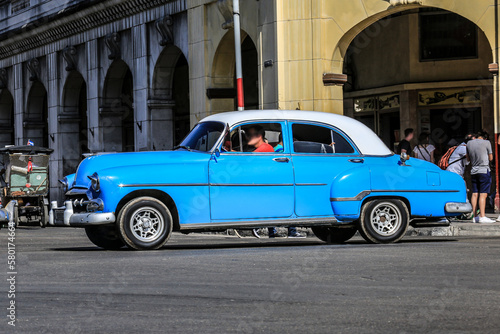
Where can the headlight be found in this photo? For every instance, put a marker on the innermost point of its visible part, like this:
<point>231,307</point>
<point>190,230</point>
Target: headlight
<point>94,178</point>
<point>65,184</point>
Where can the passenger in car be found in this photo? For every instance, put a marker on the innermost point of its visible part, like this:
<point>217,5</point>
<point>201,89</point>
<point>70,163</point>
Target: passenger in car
<point>256,138</point>
<point>279,148</point>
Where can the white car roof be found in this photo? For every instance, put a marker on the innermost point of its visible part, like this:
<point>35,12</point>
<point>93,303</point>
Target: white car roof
<point>364,138</point>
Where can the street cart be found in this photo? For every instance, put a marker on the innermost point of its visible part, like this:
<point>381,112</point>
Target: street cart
<point>24,185</point>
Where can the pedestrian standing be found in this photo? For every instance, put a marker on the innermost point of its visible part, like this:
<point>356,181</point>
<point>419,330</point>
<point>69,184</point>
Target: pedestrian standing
<point>424,150</point>
<point>405,145</point>
<point>479,154</point>
<point>458,159</point>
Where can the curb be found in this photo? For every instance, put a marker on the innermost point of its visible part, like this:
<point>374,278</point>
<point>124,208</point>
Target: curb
<point>457,229</point>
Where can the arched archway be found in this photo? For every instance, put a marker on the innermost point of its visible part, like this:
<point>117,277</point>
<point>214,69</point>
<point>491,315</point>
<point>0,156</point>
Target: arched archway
<point>403,73</point>
<point>384,58</point>
<point>223,74</point>
<point>73,122</point>
<point>117,114</point>
<point>170,109</point>
<point>36,116</point>
<point>6,118</point>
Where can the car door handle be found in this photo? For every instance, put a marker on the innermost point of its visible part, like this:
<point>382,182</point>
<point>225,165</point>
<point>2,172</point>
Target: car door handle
<point>281,159</point>
<point>357,161</point>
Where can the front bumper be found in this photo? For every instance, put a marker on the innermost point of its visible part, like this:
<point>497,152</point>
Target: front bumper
<point>65,216</point>
<point>454,207</point>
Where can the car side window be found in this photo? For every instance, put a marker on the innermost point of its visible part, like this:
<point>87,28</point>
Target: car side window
<point>255,137</point>
<point>309,138</point>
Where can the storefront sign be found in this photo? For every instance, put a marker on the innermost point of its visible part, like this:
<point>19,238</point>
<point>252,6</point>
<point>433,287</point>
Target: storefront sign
<point>374,103</point>
<point>388,102</point>
<point>365,104</point>
<point>449,97</point>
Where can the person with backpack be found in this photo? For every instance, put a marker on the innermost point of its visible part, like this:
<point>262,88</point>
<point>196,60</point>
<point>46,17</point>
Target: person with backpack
<point>424,150</point>
<point>455,159</point>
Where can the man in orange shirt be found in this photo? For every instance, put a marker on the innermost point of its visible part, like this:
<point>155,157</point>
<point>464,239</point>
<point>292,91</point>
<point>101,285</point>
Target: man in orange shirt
<point>255,136</point>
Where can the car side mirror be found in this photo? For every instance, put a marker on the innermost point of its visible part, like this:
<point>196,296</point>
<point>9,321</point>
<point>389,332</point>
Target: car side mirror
<point>217,152</point>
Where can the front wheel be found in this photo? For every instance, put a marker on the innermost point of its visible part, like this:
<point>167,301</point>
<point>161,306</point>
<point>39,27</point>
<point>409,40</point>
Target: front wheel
<point>145,223</point>
<point>334,235</point>
<point>384,221</point>
<point>104,236</point>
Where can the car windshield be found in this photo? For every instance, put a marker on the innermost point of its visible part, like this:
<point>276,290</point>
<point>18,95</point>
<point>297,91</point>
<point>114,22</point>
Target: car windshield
<point>203,137</point>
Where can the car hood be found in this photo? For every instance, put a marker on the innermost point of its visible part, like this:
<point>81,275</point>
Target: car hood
<point>102,162</point>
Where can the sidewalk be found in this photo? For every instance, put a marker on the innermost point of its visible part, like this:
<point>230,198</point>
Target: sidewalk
<point>459,228</point>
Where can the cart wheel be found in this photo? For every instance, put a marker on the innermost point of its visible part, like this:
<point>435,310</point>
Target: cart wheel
<point>45,216</point>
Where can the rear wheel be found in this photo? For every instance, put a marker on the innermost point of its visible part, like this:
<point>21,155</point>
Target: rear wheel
<point>334,235</point>
<point>145,223</point>
<point>104,236</point>
<point>384,221</point>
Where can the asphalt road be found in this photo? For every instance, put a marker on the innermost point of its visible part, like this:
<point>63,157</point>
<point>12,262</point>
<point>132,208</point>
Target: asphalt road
<point>218,284</point>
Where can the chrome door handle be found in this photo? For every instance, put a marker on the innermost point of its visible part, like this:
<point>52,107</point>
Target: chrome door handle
<point>357,161</point>
<point>281,159</point>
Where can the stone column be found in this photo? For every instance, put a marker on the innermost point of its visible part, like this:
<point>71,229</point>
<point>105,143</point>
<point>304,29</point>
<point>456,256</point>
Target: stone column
<point>93,77</point>
<point>53,98</point>
<point>18,96</point>
<point>198,73</point>
<point>162,124</point>
<point>141,87</point>
<point>111,124</point>
<point>408,112</point>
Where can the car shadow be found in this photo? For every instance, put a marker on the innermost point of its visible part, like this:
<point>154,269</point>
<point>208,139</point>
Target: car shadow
<point>259,243</point>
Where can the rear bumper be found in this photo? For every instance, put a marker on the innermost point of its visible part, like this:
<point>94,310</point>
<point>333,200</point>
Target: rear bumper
<point>65,216</point>
<point>455,207</point>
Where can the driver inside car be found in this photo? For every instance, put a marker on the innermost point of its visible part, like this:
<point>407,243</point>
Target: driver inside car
<point>256,138</point>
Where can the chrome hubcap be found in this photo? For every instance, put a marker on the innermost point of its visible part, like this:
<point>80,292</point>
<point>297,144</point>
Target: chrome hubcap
<point>147,224</point>
<point>386,219</point>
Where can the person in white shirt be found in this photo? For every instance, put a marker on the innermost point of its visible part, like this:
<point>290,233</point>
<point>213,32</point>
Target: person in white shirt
<point>424,150</point>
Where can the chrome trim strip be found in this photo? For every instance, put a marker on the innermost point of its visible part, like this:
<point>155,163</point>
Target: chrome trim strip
<point>310,184</point>
<point>163,185</point>
<point>220,185</point>
<point>326,221</point>
<point>358,197</point>
<point>416,191</point>
<point>365,193</point>
<point>251,185</point>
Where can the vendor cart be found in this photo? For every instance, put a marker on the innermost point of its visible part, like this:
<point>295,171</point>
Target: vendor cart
<point>25,185</point>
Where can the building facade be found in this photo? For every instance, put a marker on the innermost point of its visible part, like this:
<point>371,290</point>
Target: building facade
<point>133,75</point>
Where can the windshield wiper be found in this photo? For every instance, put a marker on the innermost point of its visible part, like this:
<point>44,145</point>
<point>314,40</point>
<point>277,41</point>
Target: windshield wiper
<point>184,147</point>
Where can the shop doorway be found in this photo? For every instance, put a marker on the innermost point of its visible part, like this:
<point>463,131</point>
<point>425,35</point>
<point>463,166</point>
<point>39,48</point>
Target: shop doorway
<point>449,126</point>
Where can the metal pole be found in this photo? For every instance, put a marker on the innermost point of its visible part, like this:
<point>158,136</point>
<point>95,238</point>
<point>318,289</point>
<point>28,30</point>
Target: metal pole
<point>237,49</point>
<point>496,107</point>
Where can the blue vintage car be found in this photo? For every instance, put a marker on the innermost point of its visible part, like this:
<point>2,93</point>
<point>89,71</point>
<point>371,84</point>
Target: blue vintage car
<point>324,171</point>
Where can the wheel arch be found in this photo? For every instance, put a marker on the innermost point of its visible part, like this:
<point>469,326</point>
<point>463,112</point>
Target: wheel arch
<point>159,195</point>
<point>374,198</point>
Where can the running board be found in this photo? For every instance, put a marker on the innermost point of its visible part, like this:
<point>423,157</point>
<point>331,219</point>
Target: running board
<point>216,226</point>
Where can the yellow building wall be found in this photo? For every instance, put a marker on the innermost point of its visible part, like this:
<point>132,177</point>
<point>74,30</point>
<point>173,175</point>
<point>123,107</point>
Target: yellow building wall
<point>313,36</point>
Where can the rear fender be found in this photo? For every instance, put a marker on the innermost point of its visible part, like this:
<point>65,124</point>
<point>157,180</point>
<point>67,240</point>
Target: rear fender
<point>348,190</point>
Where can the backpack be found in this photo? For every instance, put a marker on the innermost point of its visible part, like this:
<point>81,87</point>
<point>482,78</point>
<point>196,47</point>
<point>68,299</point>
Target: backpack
<point>444,162</point>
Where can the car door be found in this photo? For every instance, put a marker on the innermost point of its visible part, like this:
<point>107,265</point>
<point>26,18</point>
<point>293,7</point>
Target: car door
<point>320,153</point>
<point>245,185</point>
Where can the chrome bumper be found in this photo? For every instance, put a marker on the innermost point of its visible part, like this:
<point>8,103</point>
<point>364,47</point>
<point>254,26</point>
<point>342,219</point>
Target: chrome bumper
<point>458,207</point>
<point>65,216</point>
